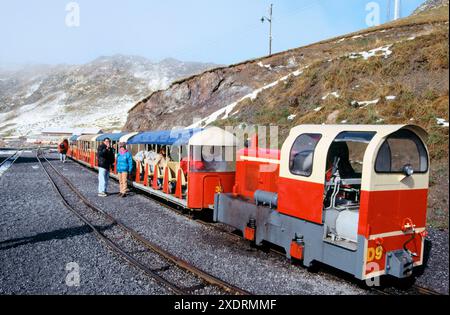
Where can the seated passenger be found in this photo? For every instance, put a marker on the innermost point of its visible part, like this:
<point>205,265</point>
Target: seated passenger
<point>161,161</point>
<point>150,157</point>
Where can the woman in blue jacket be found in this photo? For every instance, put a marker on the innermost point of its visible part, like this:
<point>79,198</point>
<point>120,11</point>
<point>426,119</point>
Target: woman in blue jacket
<point>124,167</point>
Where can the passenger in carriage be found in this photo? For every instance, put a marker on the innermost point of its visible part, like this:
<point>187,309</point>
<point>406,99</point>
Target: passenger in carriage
<point>161,161</point>
<point>150,157</point>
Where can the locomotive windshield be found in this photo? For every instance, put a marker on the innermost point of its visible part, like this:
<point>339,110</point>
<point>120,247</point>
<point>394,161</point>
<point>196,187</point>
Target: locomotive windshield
<point>400,149</point>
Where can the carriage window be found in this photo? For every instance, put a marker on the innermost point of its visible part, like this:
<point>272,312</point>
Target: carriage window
<point>302,154</point>
<point>402,148</point>
<point>214,159</point>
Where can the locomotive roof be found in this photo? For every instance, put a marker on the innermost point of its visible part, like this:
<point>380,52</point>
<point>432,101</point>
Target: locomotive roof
<point>88,138</point>
<point>335,130</point>
<point>213,136</point>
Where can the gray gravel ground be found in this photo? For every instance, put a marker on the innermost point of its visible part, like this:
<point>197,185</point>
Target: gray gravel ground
<point>208,248</point>
<point>436,276</point>
<point>39,237</point>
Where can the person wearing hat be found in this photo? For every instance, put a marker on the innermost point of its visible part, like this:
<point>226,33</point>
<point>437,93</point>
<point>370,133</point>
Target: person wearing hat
<point>124,167</point>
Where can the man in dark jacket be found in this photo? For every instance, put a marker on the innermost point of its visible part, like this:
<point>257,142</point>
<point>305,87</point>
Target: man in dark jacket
<point>105,155</point>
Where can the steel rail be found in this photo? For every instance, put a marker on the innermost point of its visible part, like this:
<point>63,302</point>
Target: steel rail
<point>208,278</point>
<point>114,247</point>
<point>10,158</point>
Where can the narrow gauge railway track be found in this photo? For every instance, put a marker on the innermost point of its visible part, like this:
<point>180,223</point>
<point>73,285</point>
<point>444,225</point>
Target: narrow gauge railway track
<point>413,290</point>
<point>9,161</point>
<point>11,158</point>
<point>165,268</point>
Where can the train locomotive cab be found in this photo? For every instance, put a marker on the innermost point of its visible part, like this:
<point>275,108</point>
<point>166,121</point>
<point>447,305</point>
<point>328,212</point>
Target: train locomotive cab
<point>210,166</point>
<point>194,165</point>
<point>352,197</point>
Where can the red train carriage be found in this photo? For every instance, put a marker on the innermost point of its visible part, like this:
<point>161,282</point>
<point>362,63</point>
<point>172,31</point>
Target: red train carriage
<point>73,146</point>
<point>353,197</point>
<point>197,168</point>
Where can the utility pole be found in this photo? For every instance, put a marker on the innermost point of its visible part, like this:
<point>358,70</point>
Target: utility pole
<point>269,19</point>
<point>397,10</point>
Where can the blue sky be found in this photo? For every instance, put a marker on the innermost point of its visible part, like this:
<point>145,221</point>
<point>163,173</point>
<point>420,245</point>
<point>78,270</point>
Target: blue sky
<point>219,31</point>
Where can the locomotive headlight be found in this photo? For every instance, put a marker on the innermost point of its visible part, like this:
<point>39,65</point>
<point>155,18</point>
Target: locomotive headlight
<point>408,170</point>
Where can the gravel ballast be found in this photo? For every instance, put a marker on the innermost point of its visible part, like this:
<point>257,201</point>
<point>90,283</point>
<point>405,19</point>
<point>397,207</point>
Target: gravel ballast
<point>40,238</point>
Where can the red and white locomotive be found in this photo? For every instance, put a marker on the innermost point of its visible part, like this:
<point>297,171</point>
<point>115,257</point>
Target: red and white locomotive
<point>352,197</point>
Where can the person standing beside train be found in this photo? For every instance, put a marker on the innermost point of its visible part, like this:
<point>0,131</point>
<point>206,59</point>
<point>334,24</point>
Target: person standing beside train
<point>106,161</point>
<point>63,148</point>
<point>124,167</point>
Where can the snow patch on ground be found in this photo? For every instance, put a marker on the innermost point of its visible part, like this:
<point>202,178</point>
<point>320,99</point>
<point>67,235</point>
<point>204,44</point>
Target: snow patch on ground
<point>33,89</point>
<point>335,94</point>
<point>227,110</point>
<point>442,122</point>
<point>363,104</point>
<point>264,66</point>
<point>384,51</point>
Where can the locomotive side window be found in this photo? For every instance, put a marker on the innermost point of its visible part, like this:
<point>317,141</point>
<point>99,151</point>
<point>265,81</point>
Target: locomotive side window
<point>399,150</point>
<point>302,154</point>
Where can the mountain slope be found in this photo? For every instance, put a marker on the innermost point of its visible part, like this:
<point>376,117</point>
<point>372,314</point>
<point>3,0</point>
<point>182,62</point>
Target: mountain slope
<point>430,5</point>
<point>98,93</point>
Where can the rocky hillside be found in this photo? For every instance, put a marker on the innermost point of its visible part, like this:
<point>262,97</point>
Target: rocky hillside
<point>394,73</point>
<point>430,5</point>
<point>95,94</point>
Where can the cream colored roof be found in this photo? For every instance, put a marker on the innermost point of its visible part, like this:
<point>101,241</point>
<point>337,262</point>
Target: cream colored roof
<point>128,137</point>
<point>88,137</point>
<point>334,130</point>
<point>213,136</point>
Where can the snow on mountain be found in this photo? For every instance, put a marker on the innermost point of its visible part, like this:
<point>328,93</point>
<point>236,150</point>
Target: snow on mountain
<point>95,94</point>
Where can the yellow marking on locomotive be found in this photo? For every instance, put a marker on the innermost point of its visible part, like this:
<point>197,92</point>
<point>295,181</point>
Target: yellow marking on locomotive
<point>374,253</point>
